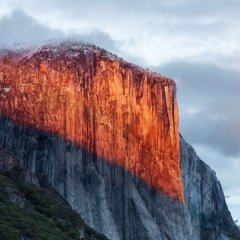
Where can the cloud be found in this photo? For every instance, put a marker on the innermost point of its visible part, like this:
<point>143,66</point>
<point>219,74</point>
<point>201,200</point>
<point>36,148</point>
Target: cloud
<point>222,165</point>
<point>19,28</point>
<point>209,99</point>
<point>209,112</point>
<point>157,32</point>
<point>227,170</point>
<point>207,94</point>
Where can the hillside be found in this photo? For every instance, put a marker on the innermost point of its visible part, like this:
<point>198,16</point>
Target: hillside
<point>30,212</point>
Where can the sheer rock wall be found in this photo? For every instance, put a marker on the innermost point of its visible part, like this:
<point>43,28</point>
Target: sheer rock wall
<point>105,134</point>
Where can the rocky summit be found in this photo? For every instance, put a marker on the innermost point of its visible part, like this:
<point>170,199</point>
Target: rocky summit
<point>104,133</point>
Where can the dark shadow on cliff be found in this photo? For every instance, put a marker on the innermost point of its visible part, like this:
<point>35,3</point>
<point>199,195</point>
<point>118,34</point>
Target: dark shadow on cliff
<point>205,198</point>
<point>94,185</point>
<point>29,211</point>
<point>112,200</point>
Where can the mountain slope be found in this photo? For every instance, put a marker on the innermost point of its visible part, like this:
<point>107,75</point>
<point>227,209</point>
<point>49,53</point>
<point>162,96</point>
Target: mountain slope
<point>30,212</point>
<point>105,134</point>
<point>209,214</point>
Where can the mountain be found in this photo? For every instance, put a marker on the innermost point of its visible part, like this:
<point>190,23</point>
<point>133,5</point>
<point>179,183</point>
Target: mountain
<point>104,133</point>
<point>29,211</point>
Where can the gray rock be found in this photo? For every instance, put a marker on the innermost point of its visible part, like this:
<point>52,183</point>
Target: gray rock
<point>209,215</point>
<point>118,204</point>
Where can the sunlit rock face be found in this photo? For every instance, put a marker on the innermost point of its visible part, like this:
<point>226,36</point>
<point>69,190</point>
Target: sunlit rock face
<point>105,134</point>
<point>116,111</point>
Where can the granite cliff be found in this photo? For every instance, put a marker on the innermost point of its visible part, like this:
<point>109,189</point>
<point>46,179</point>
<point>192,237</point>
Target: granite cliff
<point>31,209</point>
<point>105,135</point>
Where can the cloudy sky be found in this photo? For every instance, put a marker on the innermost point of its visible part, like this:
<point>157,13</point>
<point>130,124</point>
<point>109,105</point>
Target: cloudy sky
<point>196,43</point>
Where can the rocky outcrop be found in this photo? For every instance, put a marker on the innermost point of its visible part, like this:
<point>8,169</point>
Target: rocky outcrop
<point>30,212</point>
<point>109,198</point>
<point>116,111</point>
<point>105,134</point>
<point>9,164</point>
<point>208,211</point>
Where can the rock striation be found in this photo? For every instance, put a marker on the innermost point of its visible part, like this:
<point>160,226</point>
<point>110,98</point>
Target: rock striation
<point>114,110</point>
<point>29,211</point>
<point>207,209</point>
<point>105,134</point>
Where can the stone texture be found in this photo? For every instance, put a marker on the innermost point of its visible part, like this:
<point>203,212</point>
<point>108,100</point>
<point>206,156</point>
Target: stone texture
<point>209,215</point>
<point>28,211</point>
<point>109,198</point>
<point>9,163</point>
<point>105,135</point>
<point>116,111</point>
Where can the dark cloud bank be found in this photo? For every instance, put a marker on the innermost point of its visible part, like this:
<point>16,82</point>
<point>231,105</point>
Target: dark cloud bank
<point>215,92</point>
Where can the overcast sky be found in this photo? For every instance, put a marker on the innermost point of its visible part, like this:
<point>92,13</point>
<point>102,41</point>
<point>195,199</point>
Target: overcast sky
<point>196,43</point>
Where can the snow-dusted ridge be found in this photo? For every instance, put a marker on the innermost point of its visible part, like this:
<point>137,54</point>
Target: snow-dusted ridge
<point>60,50</point>
<point>70,49</point>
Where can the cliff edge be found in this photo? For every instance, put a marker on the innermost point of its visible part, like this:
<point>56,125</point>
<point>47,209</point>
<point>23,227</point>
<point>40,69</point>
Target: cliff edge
<point>105,134</point>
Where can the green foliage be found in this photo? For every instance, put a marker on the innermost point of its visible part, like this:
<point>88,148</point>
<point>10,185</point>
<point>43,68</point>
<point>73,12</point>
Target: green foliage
<point>35,213</point>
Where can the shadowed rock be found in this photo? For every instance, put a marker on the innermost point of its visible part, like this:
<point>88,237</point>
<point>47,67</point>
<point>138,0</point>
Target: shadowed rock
<point>105,135</point>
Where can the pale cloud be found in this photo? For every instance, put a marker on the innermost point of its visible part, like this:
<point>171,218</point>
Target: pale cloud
<point>227,170</point>
<point>234,198</point>
<point>5,9</point>
<point>193,110</point>
<point>157,33</point>
<point>215,91</point>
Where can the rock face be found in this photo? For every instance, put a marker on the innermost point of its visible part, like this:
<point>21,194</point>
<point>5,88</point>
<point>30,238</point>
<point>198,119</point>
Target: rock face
<point>208,212</point>
<point>29,211</point>
<point>108,107</point>
<point>105,134</point>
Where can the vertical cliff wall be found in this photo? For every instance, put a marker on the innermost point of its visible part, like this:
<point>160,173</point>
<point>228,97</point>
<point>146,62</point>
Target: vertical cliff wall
<point>105,134</point>
<point>208,212</point>
<point>114,110</point>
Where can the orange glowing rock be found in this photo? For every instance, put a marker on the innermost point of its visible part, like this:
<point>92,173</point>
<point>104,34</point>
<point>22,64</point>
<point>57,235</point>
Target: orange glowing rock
<point>117,111</point>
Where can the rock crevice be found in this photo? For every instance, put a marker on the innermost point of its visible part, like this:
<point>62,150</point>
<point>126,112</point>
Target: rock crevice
<point>105,135</point>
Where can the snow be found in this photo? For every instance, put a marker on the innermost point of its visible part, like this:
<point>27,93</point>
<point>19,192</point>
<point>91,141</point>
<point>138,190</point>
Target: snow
<point>6,89</point>
<point>70,49</point>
